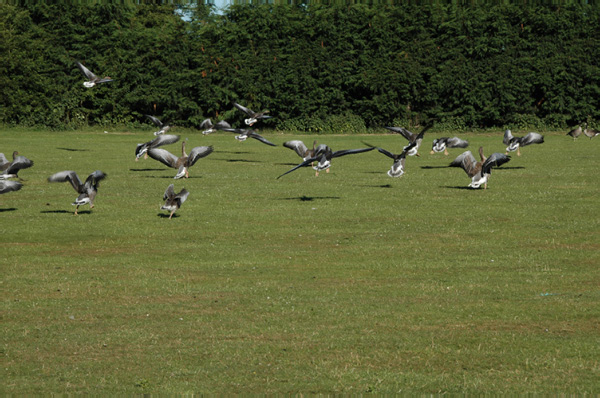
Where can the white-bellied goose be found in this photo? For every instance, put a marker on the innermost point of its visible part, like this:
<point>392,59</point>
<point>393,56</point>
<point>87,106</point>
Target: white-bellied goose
<point>253,116</point>
<point>172,200</point>
<point>590,132</point>
<point>479,172</point>
<point>9,186</point>
<point>92,79</point>
<point>301,149</point>
<point>182,163</point>
<point>87,190</point>
<point>142,149</point>
<point>208,127</point>
<point>515,143</point>
<point>575,133</point>
<point>442,144</point>
<point>245,133</point>
<point>163,128</point>
<point>324,154</point>
<point>411,137</point>
<point>397,169</point>
<point>12,168</point>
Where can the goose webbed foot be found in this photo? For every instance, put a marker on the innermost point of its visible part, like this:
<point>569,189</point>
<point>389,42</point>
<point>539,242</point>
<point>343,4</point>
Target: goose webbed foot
<point>446,152</point>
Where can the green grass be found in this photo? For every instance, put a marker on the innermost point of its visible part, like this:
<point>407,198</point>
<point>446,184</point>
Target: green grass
<point>349,282</point>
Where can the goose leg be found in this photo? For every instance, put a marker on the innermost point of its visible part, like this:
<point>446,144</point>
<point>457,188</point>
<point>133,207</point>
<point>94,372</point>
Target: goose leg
<point>446,152</point>
<point>518,151</point>
<point>76,208</point>
<point>146,155</point>
<point>485,186</point>
<point>327,171</point>
<point>173,212</point>
<point>317,173</point>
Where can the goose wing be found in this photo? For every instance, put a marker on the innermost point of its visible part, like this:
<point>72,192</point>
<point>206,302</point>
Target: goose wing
<point>467,161</point>
<point>404,132</point>
<point>206,124</point>
<point>307,162</point>
<point>456,142</point>
<point>163,156</point>
<point>169,193</point>
<point>9,186</point>
<point>495,160</point>
<point>242,108</point>
<point>93,180</point>
<point>198,153</point>
<point>532,138</point>
<point>163,140</point>
<point>298,146</point>
<point>86,72</point>
<point>3,161</point>
<point>182,196</point>
<point>507,137</point>
<point>19,163</point>
<point>236,131</point>
<point>155,120</point>
<point>345,152</point>
<point>260,138</point>
<point>70,176</point>
<point>387,153</point>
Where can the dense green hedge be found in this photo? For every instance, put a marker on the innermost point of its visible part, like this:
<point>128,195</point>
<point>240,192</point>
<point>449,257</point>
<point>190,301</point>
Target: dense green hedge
<point>316,68</point>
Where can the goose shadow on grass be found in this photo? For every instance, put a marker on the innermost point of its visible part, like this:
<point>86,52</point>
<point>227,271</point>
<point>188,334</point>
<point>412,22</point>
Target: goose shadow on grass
<point>238,160</point>
<point>8,209</point>
<point>171,177</point>
<point>73,149</point>
<point>166,215</point>
<point>235,152</point>
<point>459,187</point>
<point>378,186</point>
<point>305,198</point>
<point>146,169</point>
<point>65,212</point>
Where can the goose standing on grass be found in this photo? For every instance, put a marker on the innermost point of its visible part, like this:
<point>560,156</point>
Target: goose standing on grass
<point>87,190</point>
<point>172,200</point>
<point>515,143</point>
<point>11,169</point>
<point>208,127</point>
<point>9,186</point>
<point>411,137</point>
<point>324,154</point>
<point>142,149</point>
<point>397,169</point>
<point>163,128</point>
<point>442,144</point>
<point>253,116</point>
<point>182,163</point>
<point>575,133</point>
<point>245,133</point>
<point>92,79</point>
<point>590,132</point>
<point>301,149</point>
<point>479,172</point>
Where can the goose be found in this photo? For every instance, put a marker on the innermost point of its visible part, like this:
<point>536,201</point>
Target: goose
<point>411,137</point>
<point>397,169</point>
<point>515,143</point>
<point>92,79</point>
<point>162,126</point>
<point>87,190</point>
<point>182,163</point>
<point>208,127</point>
<point>301,149</point>
<point>9,186</point>
<point>324,154</point>
<point>590,133</point>
<point>442,144</point>
<point>11,169</point>
<point>479,171</point>
<point>142,149</point>
<point>245,133</point>
<point>253,116</point>
<point>172,200</point>
<point>575,133</point>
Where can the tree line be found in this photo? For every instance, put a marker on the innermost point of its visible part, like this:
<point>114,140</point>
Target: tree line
<point>317,68</point>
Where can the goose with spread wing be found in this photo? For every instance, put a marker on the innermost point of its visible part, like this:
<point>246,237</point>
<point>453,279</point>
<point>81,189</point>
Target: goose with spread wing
<point>243,135</point>
<point>300,148</point>
<point>479,172</point>
<point>182,163</point>
<point>142,149</point>
<point>92,78</point>
<point>9,186</point>
<point>172,200</point>
<point>411,137</point>
<point>515,143</point>
<point>253,117</point>
<point>442,144</point>
<point>397,169</point>
<point>163,127</point>
<point>11,169</point>
<point>323,155</point>
<point>208,127</point>
<point>87,190</point>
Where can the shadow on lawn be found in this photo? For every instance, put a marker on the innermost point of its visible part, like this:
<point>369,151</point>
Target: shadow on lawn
<point>234,152</point>
<point>304,198</point>
<point>73,149</point>
<point>460,187</point>
<point>65,212</point>
<point>146,169</point>
<point>239,160</point>
<point>8,209</point>
<point>166,215</point>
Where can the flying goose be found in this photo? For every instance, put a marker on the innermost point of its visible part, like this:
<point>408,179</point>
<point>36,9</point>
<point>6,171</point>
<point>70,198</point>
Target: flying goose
<point>442,144</point>
<point>92,79</point>
<point>245,133</point>
<point>411,137</point>
<point>590,133</point>
<point>163,128</point>
<point>397,169</point>
<point>11,169</point>
<point>208,127</point>
<point>9,186</point>
<point>172,200</point>
<point>253,116</point>
<point>515,143</point>
<point>301,149</point>
<point>87,190</point>
<point>575,133</point>
<point>142,149</point>
<point>182,163</point>
<point>324,154</point>
<point>479,171</point>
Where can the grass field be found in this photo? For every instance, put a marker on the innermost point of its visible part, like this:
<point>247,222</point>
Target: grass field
<point>351,282</point>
